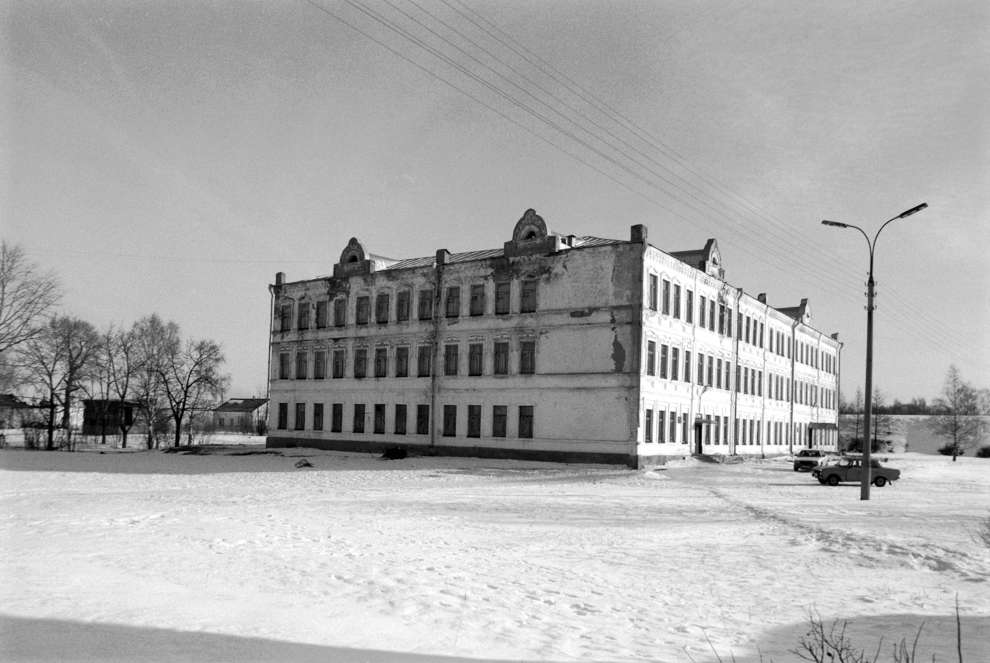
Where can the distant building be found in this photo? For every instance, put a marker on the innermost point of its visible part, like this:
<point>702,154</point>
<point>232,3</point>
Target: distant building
<point>554,347</point>
<point>105,416</point>
<point>14,412</point>
<point>241,415</point>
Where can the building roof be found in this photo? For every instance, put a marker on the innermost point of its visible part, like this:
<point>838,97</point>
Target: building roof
<point>9,400</point>
<point>242,405</point>
<point>485,254</point>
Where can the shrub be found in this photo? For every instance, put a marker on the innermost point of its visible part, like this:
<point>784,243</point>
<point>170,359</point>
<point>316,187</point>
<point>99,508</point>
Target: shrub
<point>856,445</point>
<point>951,450</point>
<point>984,452</point>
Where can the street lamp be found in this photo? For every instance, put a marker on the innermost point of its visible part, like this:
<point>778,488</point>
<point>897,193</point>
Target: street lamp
<point>865,477</point>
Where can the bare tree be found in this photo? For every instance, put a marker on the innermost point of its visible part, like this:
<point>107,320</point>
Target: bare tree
<point>123,363</point>
<point>154,340</point>
<point>192,379</point>
<point>882,422</point>
<point>42,360</point>
<point>959,422</point>
<point>27,295</point>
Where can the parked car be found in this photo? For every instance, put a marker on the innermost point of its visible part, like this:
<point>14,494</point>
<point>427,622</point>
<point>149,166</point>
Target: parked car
<point>850,469</point>
<point>808,459</point>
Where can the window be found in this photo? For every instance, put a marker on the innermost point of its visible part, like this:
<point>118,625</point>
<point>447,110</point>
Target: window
<point>379,418</point>
<point>673,429</point>
<point>423,361</point>
<point>503,292</point>
<point>525,421</point>
<point>302,315</point>
<point>339,359</point>
<point>675,363</point>
<point>320,365</point>
<point>701,310</point>
<point>689,307</point>
<point>718,374</point>
<point>360,362</point>
<point>402,305</point>
<point>718,429</point>
<point>527,296</point>
<point>477,304</point>
<point>661,426</point>
<point>453,302</point>
<point>400,418</point>
<point>711,368</point>
<point>746,333</point>
<point>721,319</point>
<point>381,362</point>
<point>760,340</point>
<point>422,419</point>
<point>358,426</point>
<point>677,301</point>
<point>363,310</point>
<point>665,297</point>
<point>449,420</point>
<point>317,416</point>
<point>322,307</point>
<point>336,417</point>
<point>475,358</point>
<point>653,292</point>
<point>527,357</point>
<point>283,366</point>
<point>711,315</point>
<point>301,360</point>
<point>725,379</point>
<point>701,368</point>
<point>728,324</point>
<point>501,358</point>
<point>687,365</point>
<point>474,421</point>
<point>402,362</point>
<point>300,422</point>
<point>651,357</point>
<point>425,304</point>
<point>339,312</point>
<point>381,308</point>
<point>500,413</point>
<point>664,357</point>
<point>283,416</point>
<point>450,359</point>
<point>285,317</point>
<point>648,427</point>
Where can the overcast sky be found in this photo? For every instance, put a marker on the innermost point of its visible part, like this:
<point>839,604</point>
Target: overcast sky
<point>170,157</point>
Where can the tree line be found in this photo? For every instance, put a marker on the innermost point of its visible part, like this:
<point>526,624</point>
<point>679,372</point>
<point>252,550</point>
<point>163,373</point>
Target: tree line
<point>59,358</point>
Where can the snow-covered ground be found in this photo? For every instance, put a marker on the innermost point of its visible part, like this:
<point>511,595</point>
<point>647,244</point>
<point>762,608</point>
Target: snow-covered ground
<point>142,555</point>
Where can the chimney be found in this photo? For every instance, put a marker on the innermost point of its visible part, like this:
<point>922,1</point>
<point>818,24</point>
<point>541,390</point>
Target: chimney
<point>637,234</point>
<point>279,278</point>
<point>762,298</point>
<point>442,256</point>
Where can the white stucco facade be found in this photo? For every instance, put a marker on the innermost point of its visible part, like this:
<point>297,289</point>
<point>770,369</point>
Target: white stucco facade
<point>553,346</point>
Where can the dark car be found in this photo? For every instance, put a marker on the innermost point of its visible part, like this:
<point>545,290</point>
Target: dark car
<point>808,459</point>
<point>851,469</point>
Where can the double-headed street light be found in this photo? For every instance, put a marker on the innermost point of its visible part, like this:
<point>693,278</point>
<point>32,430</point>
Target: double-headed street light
<point>866,475</point>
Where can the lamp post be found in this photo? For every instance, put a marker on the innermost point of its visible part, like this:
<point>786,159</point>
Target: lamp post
<point>866,474</point>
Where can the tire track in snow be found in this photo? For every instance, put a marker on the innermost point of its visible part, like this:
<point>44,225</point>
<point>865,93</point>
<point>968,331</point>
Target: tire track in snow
<point>930,556</point>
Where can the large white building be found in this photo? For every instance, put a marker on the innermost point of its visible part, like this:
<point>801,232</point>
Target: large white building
<point>551,347</point>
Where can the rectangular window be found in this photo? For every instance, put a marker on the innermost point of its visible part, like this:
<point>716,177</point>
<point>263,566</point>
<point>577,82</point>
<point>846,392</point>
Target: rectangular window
<point>302,315</point>
<point>283,416</point>
<point>701,310</point>
<point>759,383</point>
<point>283,366</point>
<point>453,305</point>
<point>661,426</point>
<point>664,358</point>
<point>381,308</point>
<point>721,319</point>
<point>525,421</point>
<point>718,429</point>
<point>711,369</point>
<point>477,304</point>
<point>379,418</point>
<point>339,359</point>
<point>476,358</point>
<point>360,362</point>
<point>358,423</point>
<point>503,292</point>
<point>651,357</point>
<point>760,340</point>
<point>718,374</point>
<point>500,413</point>
<point>336,417</point>
<point>728,325</point>
<point>746,336</point>
<point>425,304</point>
<point>689,307</point>
<point>687,365</point>
<point>400,418</point>
<point>673,429</point>
<point>474,421</point>
<point>450,359</point>
<point>527,296</point>
<point>711,315</point>
<point>675,363</point>
<point>301,360</point>
<point>402,305</point>
<point>402,362</point>
<point>363,310</point>
<point>725,379</point>
<point>701,368</point>
<point>527,357</point>
<point>321,314</point>
<point>317,416</point>
<point>501,358</point>
<point>648,427</point>
<point>381,362</point>
<point>339,312</point>
<point>677,301</point>
<point>653,292</point>
<point>320,365</point>
<point>285,317</point>
<point>449,420</point>
<point>423,361</point>
<point>665,297</point>
<point>300,422</point>
<point>422,419</point>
